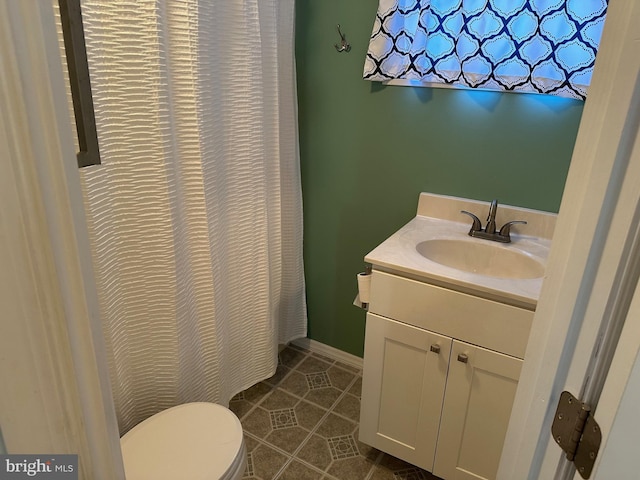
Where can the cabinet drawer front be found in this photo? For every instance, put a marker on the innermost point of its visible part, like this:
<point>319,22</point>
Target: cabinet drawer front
<point>402,389</point>
<point>476,320</point>
<point>481,387</point>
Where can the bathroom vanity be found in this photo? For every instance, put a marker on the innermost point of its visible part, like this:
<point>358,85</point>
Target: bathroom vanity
<point>446,333</point>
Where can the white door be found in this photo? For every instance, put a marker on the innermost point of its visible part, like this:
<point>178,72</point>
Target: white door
<point>591,277</point>
<point>617,458</point>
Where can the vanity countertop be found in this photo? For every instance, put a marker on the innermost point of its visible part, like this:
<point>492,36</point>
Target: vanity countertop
<point>439,218</point>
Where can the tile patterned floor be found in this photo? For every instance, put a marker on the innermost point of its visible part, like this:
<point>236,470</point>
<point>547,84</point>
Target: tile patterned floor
<point>302,424</point>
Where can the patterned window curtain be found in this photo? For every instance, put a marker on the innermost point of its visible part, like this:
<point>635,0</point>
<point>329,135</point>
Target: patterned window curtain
<point>541,46</point>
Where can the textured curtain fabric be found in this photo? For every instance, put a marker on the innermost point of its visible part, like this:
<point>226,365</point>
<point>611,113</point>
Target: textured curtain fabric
<point>542,46</point>
<point>195,214</point>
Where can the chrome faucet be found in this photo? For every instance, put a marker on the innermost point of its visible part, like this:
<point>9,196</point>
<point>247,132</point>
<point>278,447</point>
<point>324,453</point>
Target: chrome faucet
<point>489,232</point>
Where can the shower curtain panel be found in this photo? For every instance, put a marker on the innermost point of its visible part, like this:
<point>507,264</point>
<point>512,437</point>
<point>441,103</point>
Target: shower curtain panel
<point>195,214</point>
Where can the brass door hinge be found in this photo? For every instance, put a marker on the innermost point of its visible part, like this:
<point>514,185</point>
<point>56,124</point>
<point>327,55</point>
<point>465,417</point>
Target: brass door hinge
<point>575,430</point>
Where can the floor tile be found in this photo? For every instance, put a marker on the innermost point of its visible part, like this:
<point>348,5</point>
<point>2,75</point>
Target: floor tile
<point>299,348</point>
<point>393,463</point>
<point>240,407</point>
<point>267,462</point>
<point>283,418</point>
<point>278,399</point>
<point>249,472</point>
<point>258,423</point>
<point>325,397</point>
<point>342,447</point>
<point>335,426</point>
<point>290,357</point>
<point>366,450</point>
<point>316,452</point>
<point>298,471</point>
<point>356,389</point>
<point>411,473</point>
<point>340,378</point>
<point>257,392</point>
<point>251,443</point>
<point>281,372</point>
<point>308,415</point>
<point>296,383</point>
<point>287,439</point>
<point>391,468</point>
<point>349,406</point>
<point>313,365</point>
<point>356,468</point>
<point>317,380</point>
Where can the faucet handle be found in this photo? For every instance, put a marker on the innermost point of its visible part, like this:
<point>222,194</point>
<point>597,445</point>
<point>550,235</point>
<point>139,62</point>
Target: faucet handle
<point>505,231</point>
<point>477,225</point>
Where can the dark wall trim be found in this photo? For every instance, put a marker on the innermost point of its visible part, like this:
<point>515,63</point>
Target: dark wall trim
<point>74,45</point>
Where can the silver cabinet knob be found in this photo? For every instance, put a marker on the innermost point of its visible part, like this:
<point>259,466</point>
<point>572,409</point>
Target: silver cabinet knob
<point>435,348</point>
<point>463,357</point>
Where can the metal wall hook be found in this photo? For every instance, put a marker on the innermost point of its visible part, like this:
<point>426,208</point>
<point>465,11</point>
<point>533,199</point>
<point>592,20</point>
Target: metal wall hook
<point>344,46</point>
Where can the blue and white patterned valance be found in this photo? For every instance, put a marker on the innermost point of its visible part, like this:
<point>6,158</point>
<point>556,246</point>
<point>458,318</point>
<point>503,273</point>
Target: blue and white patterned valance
<point>542,46</point>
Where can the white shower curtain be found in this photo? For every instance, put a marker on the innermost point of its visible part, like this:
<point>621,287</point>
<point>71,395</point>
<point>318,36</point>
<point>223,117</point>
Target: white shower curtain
<point>195,214</point>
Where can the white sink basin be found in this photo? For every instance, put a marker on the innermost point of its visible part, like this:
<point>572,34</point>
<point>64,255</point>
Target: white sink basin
<point>482,258</point>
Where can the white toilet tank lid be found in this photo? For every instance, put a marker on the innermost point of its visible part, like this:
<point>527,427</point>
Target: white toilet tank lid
<point>195,441</point>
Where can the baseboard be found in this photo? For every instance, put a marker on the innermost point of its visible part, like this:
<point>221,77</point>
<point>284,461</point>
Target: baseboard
<point>329,351</point>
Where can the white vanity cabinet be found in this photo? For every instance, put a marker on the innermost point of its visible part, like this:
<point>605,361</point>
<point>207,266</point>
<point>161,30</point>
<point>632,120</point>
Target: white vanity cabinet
<point>403,388</point>
<point>441,369</point>
<point>475,412</point>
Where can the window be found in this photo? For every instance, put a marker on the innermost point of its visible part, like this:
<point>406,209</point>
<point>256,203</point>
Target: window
<point>542,46</point>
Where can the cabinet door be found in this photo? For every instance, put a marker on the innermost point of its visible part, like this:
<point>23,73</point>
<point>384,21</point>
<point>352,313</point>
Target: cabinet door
<point>480,390</point>
<point>402,389</point>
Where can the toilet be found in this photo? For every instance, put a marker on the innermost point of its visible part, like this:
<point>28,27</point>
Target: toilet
<point>193,441</point>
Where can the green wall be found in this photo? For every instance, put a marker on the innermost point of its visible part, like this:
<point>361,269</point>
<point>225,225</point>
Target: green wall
<point>368,150</point>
